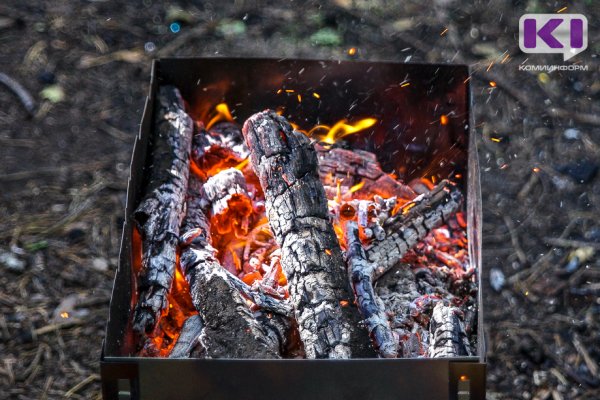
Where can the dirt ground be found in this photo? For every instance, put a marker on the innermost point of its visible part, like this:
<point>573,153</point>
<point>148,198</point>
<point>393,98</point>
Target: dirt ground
<point>65,165</point>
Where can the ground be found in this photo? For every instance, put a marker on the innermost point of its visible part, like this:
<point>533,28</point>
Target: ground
<point>64,167</point>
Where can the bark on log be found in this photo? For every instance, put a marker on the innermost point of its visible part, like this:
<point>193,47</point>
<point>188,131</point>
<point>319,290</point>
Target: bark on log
<point>159,214</point>
<point>372,308</point>
<point>447,333</point>
<point>286,163</point>
<point>230,329</point>
<point>406,229</point>
<point>355,167</point>
<point>189,337</point>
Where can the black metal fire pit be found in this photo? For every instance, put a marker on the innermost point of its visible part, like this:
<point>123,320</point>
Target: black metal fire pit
<point>425,128</point>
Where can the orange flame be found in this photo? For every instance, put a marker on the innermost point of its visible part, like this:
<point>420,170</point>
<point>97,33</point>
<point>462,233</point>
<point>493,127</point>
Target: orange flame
<point>340,129</point>
<point>222,114</point>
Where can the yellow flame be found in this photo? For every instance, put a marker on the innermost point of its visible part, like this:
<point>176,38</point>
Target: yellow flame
<point>357,186</point>
<point>223,114</point>
<point>341,129</point>
<point>241,165</point>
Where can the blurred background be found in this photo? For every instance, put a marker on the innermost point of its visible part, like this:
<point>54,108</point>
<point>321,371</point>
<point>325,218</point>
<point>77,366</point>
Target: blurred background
<point>74,76</point>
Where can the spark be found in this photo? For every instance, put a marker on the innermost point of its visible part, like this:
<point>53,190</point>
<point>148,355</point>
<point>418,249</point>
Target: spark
<point>289,90</point>
<point>444,119</point>
<point>405,84</point>
<point>490,66</point>
<point>495,139</point>
<point>299,98</point>
<point>64,314</point>
<point>352,51</point>
<point>467,80</point>
<point>316,95</point>
<point>493,84</point>
<point>444,32</point>
<point>344,303</point>
<point>562,9</point>
<point>279,91</point>
<point>505,59</point>
<point>536,169</point>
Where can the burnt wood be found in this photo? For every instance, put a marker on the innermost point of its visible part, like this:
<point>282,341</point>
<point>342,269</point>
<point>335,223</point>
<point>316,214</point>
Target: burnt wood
<point>159,213</point>
<point>447,333</point>
<point>355,167</point>
<point>189,337</point>
<point>416,219</point>
<point>372,308</point>
<point>230,329</point>
<point>286,164</point>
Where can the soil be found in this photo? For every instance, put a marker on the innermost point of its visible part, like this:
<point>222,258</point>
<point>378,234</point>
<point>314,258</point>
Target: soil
<point>64,169</point>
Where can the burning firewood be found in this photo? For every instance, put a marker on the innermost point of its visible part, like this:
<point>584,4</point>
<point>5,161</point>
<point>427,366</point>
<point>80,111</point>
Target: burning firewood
<point>423,214</point>
<point>371,307</point>
<point>226,195</point>
<point>159,214</point>
<point>359,172</point>
<point>411,224</point>
<point>447,333</point>
<point>286,163</point>
<point>230,329</point>
<point>222,146</point>
<point>189,338</point>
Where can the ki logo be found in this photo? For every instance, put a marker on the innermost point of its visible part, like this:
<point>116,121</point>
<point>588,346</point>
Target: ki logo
<point>553,33</point>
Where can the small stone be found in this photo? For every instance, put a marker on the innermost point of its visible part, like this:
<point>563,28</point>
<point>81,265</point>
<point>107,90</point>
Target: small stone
<point>497,279</point>
<point>572,134</point>
<point>76,235</point>
<point>100,264</point>
<point>46,77</point>
<point>11,262</point>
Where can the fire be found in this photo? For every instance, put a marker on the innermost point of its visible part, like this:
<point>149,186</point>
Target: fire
<point>340,129</point>
<point>222,114</point>
<point>245,245</point>
<point>357,187</point>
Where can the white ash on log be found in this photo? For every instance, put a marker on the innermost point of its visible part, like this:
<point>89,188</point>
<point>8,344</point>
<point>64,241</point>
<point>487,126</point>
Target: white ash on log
<point>189,338</point>
<point>159,214</point>
<point>230,329</point>
<point>408,227</point>
<point>286,164</point>
<point>223,145</point>
<point>227,198</point>
<point>355,167</point>
<point>425,213</point>
<point>447,333</point>
<point>369,304</point>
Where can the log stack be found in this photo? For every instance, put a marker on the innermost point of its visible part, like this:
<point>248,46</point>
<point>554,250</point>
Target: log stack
<point>336,225</point>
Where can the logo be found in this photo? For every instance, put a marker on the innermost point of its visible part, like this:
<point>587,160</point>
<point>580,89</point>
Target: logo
<point>553,33</point>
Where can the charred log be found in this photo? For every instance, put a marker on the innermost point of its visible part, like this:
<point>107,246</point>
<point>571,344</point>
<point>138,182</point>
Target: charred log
<point>412,224</point>
<point>230,329</point>
<point>358,167</point>
<point>286,163</point>
<point>372,308</point>
<point>189,337</point>
<point>447,333</point>
<point>159,214</point>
